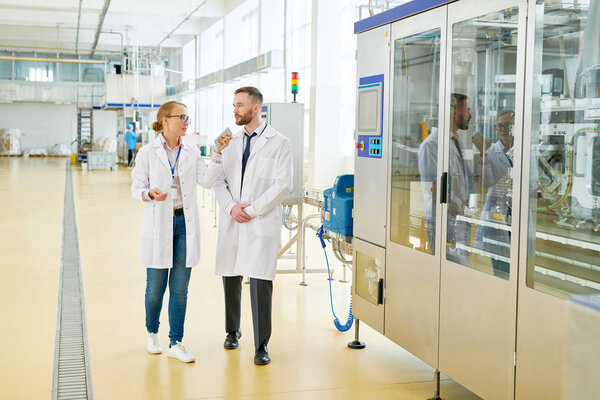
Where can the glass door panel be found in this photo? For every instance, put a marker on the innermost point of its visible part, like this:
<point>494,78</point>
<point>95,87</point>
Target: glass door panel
<point>415,140</point>
<point>481,120</point>
<point>564,188</point>
<point>412,277</point>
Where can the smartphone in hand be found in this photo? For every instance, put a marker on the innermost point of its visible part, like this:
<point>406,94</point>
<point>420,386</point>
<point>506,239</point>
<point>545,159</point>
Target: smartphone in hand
<point>226,132</point>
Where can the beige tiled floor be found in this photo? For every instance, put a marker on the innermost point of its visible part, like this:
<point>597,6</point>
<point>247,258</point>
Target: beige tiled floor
<point>310,357</point>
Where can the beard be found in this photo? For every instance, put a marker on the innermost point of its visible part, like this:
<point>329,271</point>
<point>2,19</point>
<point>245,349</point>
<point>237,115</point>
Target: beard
<point>244,119</point>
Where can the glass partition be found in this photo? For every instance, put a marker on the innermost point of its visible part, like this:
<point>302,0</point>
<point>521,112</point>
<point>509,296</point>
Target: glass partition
<point>481,114</point>
<point>6,66</point>
<point>415,140</point>
<point>68,72</point>
<point>92,72</point>
<point>23,68</point>
<point>564,212</point>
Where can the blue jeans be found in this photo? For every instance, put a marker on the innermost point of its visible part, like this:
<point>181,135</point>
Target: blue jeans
<point>178,278</point>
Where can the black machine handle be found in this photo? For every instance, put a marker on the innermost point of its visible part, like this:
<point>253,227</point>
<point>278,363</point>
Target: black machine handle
<point>380,291</point>
<point>444,188</point>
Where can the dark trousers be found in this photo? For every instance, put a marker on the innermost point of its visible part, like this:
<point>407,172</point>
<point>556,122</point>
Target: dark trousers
<point>261,294</point>
<point>129,156</point>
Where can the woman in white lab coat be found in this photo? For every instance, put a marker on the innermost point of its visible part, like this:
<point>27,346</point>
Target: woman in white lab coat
<point>165,176</point>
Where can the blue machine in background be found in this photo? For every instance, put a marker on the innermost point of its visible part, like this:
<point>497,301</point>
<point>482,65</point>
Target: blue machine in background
<point>339,203</point>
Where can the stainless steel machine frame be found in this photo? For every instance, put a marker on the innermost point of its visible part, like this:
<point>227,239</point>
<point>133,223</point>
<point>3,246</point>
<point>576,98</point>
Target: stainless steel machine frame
<point>500,336</point>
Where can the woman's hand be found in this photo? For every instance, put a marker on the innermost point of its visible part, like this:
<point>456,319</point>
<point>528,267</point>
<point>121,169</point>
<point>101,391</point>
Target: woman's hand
<point>224,143</point>
<point>156,194</point>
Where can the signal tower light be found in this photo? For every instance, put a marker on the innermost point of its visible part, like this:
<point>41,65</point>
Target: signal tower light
<point>294,85</point>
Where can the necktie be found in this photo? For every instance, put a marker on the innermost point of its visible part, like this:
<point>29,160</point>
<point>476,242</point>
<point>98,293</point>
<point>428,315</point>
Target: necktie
<point>246,153</point>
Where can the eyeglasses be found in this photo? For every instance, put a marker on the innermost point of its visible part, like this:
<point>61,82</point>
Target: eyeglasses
<point>505,126</point>
<point>184,118</point>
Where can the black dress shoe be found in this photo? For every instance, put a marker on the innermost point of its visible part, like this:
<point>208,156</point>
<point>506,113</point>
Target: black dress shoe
<point>231,341</point>
<point>261,356</point>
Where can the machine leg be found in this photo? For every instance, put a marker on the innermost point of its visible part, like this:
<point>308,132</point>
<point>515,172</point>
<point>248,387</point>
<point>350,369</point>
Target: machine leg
<point>436,386</point>
<point>302,251</point>
<point>356,344</point>
<point>344,280</point>
<point>303,283</point>
<point>289,252</point>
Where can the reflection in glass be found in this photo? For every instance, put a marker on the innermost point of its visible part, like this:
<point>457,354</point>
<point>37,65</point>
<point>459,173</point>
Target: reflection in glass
<point>414,140</point>
<point>481,121</point>
<point>564,212</point>
<point>92,73</point>
<point>68,72</point>
<point>368,272</point>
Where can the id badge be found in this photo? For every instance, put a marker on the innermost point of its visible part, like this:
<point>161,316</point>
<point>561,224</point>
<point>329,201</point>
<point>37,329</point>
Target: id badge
<point>174,192</point>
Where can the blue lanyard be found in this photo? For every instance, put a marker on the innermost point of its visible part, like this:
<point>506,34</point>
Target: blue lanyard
<point>173,166</point>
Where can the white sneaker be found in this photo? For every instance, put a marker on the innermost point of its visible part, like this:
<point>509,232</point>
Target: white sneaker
<point>178,351</point>
<point>153,345</point>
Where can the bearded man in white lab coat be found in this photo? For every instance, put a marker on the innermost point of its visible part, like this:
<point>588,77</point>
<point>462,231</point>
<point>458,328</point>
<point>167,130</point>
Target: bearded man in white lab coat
<point>256,176</point>
<point>460,181</point>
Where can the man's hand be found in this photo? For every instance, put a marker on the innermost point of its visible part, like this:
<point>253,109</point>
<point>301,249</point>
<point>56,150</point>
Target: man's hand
<point>156,194</point>
<point>238,213</point>
<point>224,143</point>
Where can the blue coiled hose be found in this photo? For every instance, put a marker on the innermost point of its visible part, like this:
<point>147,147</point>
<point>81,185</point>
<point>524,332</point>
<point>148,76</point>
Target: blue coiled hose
<point>336,321</point>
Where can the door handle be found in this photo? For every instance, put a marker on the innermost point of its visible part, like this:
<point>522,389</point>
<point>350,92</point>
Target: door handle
<point>380,291</point>
<point>444,188</point>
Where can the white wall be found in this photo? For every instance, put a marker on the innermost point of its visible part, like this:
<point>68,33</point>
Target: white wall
<point>43,125</point>
<point>333,151</point>
<point>105,124</point>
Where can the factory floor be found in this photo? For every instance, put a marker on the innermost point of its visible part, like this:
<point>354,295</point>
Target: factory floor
<point>310,359</point>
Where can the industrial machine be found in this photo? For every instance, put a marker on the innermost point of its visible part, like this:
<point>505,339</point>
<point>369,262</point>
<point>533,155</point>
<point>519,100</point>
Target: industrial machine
<point>339,204</point>
<point>477,176</point>
<point>288,119</point>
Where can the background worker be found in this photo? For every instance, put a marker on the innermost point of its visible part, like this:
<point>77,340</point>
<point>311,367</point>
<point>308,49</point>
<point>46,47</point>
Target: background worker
<point>130,140</point>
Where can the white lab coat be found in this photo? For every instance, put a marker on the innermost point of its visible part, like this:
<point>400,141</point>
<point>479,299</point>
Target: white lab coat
<point>496,164</point>
<point>427,163</point>
<point>250,249</point>
<point>460,182</point>
<point>152,170</point>
<point>495,168</point>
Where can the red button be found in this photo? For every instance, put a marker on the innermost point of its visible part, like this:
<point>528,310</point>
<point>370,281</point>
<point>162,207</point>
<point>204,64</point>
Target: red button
<point>357,145</point>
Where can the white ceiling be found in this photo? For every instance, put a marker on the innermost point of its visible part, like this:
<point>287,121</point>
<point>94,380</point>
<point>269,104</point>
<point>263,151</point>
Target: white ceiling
<point>54,23</point>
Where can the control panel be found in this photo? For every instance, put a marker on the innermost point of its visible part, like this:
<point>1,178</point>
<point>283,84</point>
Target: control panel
<point>370,117</point>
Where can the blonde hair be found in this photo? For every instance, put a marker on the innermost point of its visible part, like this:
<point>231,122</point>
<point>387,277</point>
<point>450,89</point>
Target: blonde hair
<point>163,111</point>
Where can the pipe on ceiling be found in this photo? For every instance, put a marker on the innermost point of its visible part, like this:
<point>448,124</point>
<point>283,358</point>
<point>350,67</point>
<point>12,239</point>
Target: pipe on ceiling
<point>52,60</point>
<point>78,21</point>
<point>181,23</point>
<point>99,29</point>
<point>59,49</point>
